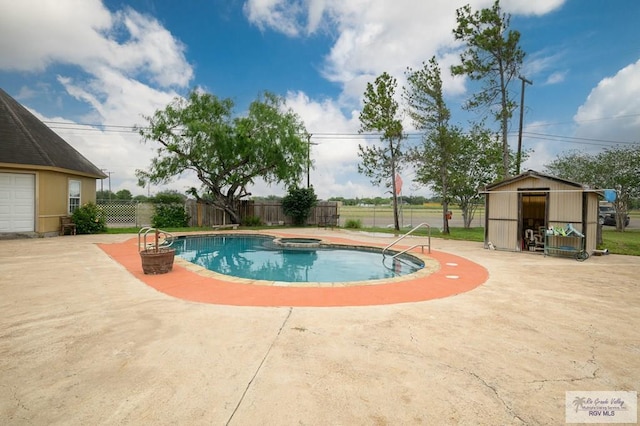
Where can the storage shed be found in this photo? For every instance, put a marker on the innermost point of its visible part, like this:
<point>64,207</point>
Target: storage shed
<point>520,210</point>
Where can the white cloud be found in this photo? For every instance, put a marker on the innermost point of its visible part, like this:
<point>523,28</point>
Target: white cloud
<point>527,7</point>
<point>375,36</point>
<point>371,36</point>
<point>68,31</point>
<point>334,149</point>
<point>121,56</point>
<point>546,66</point>
<point>556,77</point>
<point>542,150</point>
<point>118,150</point>
<point>316,13</point>
<point>608,115</point>
<point>118,99</point>
<point>130,63</point>
<point>280,15</point>
<point>85,34</point>
<point>151,48</point>
<point>610,112</point>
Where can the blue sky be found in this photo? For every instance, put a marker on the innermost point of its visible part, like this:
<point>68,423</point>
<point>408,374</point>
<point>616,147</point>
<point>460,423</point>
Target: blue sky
<point>92,69</point>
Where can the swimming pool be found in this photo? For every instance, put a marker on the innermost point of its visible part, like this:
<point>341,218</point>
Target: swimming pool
<point>260,257</point>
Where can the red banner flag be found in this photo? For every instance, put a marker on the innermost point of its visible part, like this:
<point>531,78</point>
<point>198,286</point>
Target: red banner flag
<point>398,184</point>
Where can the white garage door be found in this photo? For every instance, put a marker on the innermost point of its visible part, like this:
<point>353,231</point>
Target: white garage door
<point>17,202</point>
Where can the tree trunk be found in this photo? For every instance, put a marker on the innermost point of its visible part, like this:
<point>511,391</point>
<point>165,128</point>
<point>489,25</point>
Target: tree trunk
<point>445,217</point>
<point>469,213</point>
<point>466,217</point>
<point>620,207</point>
<point>445,197</point>
<point>468,208</point>
<point>396,222</point>
<point>228,208</point>
<point>504,124</point>
<point>234,216</point>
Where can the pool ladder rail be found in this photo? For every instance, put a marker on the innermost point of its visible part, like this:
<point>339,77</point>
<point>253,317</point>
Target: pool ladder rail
<point>421,245</point>
<point>142,238</point>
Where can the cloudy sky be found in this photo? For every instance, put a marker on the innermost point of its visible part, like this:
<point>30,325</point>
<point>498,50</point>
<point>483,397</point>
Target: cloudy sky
<point>92,69</point>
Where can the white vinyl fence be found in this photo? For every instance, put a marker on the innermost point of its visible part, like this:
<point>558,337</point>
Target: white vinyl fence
<point>126,214</point>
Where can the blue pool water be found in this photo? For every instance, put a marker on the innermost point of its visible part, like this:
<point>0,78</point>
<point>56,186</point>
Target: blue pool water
<point>258,257</point>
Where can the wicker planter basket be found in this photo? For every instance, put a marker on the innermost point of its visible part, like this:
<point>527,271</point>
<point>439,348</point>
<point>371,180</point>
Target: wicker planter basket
<point>157,261</point>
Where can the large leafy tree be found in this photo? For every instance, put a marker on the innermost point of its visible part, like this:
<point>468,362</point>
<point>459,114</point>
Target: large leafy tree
<point>227,153</point>
<point>476,165</point>
<point>105,195</point>
<point>429,112</point>
<point>124,194</point>
<point>380,114</point>
<point>494,57</point>
<point>615,168</point>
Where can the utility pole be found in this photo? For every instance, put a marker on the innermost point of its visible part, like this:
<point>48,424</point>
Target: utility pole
<point>109,173</point>
<point>309,159</point>
<point>519,158</point>
<point>102,184</point>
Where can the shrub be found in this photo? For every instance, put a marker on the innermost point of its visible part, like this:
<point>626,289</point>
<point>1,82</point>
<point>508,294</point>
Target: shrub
<point>298,204</point>
<point>353,224</point>
<point>89,219</point>
<point>169,216</point>
<point>252,221</point>
<point>168,197</point>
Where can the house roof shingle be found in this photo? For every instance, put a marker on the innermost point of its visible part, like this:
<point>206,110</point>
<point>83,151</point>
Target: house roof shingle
<point>26,140</point>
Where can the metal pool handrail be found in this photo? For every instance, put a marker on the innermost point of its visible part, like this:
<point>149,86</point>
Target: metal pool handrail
<point>424,224</point>
<point>144,231</point>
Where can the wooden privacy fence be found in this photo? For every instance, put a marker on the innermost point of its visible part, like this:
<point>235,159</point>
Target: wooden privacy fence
<point>269,213</point>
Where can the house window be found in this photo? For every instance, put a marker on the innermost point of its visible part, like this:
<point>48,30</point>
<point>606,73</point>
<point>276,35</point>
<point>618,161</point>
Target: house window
<point>74,195</point>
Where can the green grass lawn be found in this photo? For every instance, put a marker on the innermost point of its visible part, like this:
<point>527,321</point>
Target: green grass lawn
<point>627,242</point>
<point>470,234</point>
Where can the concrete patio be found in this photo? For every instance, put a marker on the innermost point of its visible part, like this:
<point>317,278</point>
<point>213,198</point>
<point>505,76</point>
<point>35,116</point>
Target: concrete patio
<point>82,341</point>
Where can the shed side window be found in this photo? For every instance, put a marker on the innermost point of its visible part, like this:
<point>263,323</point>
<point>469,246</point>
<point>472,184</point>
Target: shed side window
<point>74,195</point>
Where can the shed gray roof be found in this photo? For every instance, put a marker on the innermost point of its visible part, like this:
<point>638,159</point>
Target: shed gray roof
<point>532,173</point>
<point>26,140</point>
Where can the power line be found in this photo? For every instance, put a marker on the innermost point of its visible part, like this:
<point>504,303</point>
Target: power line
<point>113,128</point>
<point>90,125</point>
<point>133,126</point>
<point>90,130</point>
<point>588,120</point>
<point>575,139</point>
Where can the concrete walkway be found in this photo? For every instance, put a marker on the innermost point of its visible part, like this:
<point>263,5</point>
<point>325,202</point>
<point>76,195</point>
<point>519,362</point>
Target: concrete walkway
<point>83,341</point>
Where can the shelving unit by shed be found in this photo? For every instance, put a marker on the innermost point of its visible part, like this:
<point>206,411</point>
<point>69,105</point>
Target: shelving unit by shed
<point>565,246</point>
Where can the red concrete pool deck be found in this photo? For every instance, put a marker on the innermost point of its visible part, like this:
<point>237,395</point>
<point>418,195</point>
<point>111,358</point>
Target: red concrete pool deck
<point>454,275</point>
